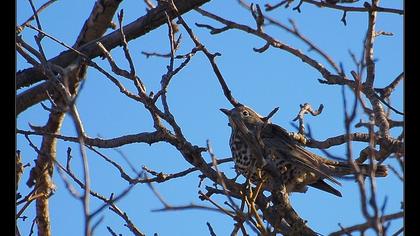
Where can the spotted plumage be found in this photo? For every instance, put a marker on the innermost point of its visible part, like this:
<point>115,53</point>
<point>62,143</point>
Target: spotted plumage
<point>256,143</point>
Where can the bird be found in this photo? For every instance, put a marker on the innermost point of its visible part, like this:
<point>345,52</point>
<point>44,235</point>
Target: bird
<point>265,153</point>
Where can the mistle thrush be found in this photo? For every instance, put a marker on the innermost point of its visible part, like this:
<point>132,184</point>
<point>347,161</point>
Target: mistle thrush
<point>257,144</point>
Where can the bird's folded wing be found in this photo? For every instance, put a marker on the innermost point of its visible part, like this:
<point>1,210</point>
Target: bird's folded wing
<point>281,143</point>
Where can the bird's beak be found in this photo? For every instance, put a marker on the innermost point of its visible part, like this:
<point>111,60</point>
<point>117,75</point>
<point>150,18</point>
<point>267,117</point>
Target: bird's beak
<point>226,111</point>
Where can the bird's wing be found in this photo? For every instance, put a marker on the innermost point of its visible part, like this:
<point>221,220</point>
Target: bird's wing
<point>320,184</point>
<point>279,140</point>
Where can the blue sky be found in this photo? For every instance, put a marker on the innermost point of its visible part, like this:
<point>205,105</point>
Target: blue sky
<point>262,81</point>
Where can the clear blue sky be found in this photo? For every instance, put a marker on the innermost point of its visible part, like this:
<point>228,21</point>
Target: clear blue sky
<point>262,81</point>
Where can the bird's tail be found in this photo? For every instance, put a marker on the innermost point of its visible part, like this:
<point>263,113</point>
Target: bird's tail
<point>343,168</point>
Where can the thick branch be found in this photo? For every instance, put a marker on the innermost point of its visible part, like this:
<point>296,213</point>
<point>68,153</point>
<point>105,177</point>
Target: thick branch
<point>370,37</point>
<point>98,22</point>
<point>152,20</point>
<point>40,175</point>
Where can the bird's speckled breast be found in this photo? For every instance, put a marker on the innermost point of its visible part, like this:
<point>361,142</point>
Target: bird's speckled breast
<point>244,160</point>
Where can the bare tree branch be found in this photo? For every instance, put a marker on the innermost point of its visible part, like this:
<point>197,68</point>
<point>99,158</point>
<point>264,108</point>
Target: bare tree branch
<point>364,226</point>
<point>22,26</point>
<point>153,19</point>
<point>249,206</point>
<point>340,7</point>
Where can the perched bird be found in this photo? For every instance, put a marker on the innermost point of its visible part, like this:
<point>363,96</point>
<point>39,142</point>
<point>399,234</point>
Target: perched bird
<point>265,151</point>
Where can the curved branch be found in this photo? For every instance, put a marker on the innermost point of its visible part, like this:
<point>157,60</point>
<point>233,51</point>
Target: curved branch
<point>355,9</point>
<point>295,32</point>
<point>330,77</point>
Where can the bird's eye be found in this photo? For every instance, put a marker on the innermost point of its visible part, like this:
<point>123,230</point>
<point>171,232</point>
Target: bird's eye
<point>245,113</point>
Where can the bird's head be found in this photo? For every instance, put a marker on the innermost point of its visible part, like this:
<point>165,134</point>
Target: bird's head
<point>244,118</point>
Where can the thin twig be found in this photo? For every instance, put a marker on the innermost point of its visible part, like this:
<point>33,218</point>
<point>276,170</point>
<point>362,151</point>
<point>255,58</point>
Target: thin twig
<point>364,226</point>
<point>355,9</point>
<point>211,57</point>
<point>20,28</point>
<point>210,229</point>
<point>401,177</point>
<point>304,109</point>
<point>386,92</point>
